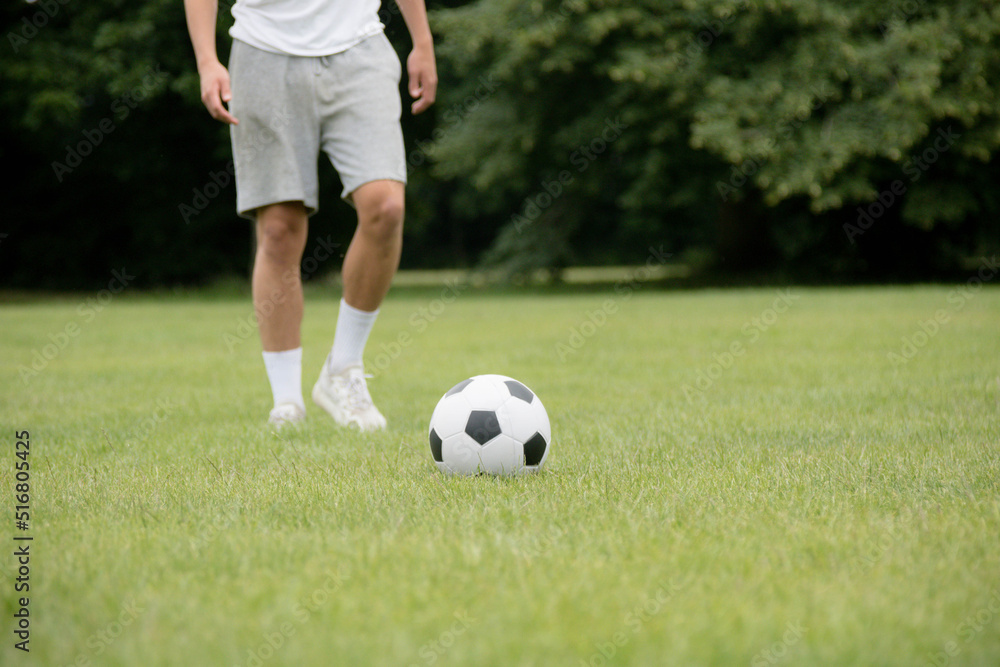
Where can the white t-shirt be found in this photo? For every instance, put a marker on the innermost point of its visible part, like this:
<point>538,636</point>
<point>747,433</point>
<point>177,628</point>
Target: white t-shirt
<point>305,27</point>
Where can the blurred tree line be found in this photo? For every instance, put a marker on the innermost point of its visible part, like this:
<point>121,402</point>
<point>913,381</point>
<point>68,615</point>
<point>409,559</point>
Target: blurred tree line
<point>827,140</point>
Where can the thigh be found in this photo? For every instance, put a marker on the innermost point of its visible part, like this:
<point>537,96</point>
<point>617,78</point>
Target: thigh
<point>360,109</point>
<point>276,143</point>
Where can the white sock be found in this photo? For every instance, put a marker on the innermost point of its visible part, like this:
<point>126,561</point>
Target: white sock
<point>284,370</point>
<point>353,327</point>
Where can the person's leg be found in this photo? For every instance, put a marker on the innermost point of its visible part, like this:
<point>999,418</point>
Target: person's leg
<point>361,135</point>
<point>278,304</point>
<point>275,147</point>
<point>368,269</point>
<point>373,255</point>
<point>277,280</point>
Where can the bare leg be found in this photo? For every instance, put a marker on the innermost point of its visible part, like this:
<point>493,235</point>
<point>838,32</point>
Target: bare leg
<point>369,266</point>
<point>277,281</point>
<point>373,256</point>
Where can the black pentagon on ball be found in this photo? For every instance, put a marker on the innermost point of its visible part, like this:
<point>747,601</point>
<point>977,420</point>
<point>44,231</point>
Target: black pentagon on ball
<point>482,426</point>
<point>534,449</point>
<point>458,387</point>
<point>436,446</point>
<point>518,390</point>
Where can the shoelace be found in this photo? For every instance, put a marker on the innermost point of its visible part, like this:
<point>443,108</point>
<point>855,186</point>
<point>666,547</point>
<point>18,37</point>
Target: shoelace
<point>357,393</point>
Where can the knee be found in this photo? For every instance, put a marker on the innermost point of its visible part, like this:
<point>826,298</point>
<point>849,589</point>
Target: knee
<point>281,232</point>
<point>383,219</point>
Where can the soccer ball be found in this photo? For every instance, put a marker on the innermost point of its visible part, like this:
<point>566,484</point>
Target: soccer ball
<point>489,424</point>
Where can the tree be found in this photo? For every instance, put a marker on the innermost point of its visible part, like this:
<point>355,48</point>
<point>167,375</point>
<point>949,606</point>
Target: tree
<point>771,122</point>
<point>834,137</point>
<point>120,165</point>
<point>100,103</point>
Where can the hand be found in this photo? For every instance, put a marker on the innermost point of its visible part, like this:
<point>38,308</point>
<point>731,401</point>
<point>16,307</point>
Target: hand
<point>422,72</point>
<point>215,93</point>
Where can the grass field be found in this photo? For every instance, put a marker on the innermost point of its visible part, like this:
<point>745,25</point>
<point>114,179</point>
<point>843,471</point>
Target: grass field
<point>746,476</point>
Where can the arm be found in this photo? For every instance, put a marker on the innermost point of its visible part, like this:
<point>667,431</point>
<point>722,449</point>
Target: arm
<point>421,67</point>
<point>201,18</point>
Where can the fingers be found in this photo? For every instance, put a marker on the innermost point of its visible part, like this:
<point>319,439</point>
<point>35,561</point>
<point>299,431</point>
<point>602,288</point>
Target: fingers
<point>422,72</point>
<point>216,94</point>
<point>420,106</point>
<point>423,88</point>
<point>226,95</point>
<point>216,107</point>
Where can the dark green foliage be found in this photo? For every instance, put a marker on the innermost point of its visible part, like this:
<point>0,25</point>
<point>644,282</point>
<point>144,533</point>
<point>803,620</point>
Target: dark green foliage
<point>754,126</point>
<point>832,139</point>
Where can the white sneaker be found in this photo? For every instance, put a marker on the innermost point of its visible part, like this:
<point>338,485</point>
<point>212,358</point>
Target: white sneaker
<point>345,396</point>
<point>286,414</point>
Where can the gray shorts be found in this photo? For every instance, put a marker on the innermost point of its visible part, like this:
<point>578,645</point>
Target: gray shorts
<point>290,107</point>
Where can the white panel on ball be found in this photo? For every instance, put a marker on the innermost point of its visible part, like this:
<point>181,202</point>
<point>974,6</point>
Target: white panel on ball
<point>489,424</point>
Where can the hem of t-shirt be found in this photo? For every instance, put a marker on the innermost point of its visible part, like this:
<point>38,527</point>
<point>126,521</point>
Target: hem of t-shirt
<point>247,38</point>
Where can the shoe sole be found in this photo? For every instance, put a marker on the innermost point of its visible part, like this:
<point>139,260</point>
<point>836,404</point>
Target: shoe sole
<point>286,425</point>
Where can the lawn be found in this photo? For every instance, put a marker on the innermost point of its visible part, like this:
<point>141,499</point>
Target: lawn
<point>803,476</point>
